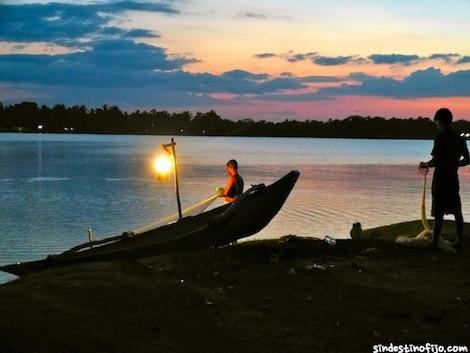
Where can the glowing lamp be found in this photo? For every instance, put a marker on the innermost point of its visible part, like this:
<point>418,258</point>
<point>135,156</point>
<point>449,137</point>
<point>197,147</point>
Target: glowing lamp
<point>163,166</point>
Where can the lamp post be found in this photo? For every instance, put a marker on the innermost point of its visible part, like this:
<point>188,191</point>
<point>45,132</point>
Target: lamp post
<point>163,165</point>
<point>40,127</point>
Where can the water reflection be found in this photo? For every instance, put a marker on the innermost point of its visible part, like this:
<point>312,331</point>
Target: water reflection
<point>106,183</point>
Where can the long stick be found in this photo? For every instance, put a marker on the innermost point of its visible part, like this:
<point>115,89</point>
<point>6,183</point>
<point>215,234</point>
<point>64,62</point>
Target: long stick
<point>424,220</point>
<point>176,178</point>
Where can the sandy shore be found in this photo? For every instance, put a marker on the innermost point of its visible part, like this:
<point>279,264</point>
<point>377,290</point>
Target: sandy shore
<point>296,295</point>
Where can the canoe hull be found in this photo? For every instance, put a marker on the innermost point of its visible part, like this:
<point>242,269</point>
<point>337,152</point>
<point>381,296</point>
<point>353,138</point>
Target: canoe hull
<point>217,227</point>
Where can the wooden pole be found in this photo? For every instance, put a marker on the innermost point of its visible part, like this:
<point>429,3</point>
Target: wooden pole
<point>175,173</point>
<point>90,238</point>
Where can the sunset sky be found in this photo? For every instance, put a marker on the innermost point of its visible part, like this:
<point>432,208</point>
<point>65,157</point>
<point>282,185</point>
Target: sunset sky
<point>266,60</point>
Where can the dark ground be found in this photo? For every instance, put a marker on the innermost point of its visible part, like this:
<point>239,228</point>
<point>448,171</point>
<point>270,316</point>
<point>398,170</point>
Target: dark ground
<point>265,296</point>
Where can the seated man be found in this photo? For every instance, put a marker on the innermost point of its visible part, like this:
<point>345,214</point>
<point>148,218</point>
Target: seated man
<point>235,183</point>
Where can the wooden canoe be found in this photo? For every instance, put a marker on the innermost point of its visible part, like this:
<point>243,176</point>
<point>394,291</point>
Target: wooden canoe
<point>252,211</point>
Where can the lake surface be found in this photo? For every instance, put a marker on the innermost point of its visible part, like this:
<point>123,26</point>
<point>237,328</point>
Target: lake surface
<point>54,187</point>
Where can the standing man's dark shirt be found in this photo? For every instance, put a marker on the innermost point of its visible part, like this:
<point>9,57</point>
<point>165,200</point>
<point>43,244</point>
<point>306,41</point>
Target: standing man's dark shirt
<point>448,149</point>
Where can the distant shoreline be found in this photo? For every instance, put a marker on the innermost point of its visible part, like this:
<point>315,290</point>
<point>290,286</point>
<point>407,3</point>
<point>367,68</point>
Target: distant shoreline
<point>243,136</point>
<point>28,117</point>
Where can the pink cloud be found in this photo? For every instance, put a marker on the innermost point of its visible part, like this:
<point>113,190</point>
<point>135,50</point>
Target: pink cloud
<point>344,106</point>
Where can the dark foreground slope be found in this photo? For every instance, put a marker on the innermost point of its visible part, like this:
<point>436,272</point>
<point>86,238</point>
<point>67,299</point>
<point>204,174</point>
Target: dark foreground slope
<point>294,295</point>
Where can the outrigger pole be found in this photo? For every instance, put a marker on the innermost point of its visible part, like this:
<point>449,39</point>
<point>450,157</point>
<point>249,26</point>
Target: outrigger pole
<point>170,149</point>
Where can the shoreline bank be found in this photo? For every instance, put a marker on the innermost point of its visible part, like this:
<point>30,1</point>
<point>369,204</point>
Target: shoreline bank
<point>289,295</point>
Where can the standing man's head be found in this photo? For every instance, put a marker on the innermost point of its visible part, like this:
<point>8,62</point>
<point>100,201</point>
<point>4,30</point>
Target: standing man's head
<point>232,167</point>
<point>443,118</point>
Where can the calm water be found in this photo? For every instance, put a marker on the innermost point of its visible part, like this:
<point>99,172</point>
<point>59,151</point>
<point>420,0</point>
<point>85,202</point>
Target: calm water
<point>54,187</point>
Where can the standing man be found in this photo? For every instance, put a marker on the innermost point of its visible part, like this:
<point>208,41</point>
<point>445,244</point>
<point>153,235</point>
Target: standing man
<point>449,148</point>
<point>235,182</point>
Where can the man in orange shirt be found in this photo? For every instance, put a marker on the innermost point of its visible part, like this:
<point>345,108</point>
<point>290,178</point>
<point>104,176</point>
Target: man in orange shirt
<point>235,183</point>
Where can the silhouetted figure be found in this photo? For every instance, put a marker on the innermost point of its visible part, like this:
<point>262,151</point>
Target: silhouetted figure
<point>235,182</point>
<point>447,153</point>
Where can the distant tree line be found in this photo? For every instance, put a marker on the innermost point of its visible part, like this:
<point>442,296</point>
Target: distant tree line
<point>27,116</point>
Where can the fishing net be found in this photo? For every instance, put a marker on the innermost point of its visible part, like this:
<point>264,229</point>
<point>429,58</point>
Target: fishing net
<point>424,238</point>
<point>190,211</point>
